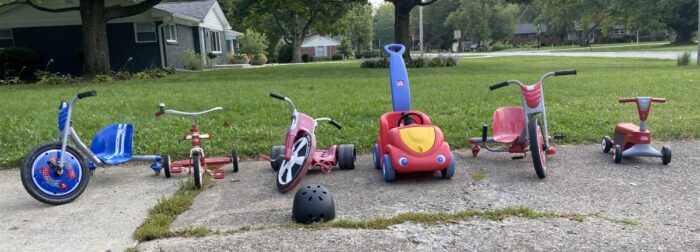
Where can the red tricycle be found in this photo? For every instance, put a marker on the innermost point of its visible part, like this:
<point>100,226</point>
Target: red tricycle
<point>632,140</point>
<point>299,152</point>
<point>407,141</point>
<point>197,161</point>
<point>519,127</point>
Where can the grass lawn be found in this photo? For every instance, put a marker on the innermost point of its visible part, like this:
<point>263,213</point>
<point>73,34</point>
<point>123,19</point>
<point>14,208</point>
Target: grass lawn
<point>653,47</point>
<point>583,107</point>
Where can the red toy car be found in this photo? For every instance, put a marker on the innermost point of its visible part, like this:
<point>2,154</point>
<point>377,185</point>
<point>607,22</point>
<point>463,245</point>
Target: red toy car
<point>407,141</point>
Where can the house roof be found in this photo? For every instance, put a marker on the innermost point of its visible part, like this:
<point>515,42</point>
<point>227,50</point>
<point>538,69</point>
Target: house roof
<point>318,40</point>
<point>528,28</point>
<point>193,9</point>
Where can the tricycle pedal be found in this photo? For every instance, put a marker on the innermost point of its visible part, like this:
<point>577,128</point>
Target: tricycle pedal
<point>517,157</point>
<point>218,173</point>
<point>175,169</point>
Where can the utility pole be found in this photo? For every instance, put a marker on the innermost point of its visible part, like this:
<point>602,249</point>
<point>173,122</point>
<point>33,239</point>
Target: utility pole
<point>420,29</point>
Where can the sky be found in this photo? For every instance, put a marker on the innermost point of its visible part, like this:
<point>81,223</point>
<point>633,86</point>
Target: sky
<point>376,3</point>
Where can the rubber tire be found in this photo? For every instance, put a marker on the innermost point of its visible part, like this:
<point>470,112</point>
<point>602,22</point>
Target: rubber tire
<point>275,155</point>
<point>375,155</point>
<point>196,167</point>
<point>540,165</point>
<point>346,156</point>
<point>234,159</point>
<point>387,170</point>
<point>165,162</point>
<point>28,183</point>
<point>666,155</point>
<point>606,144</point>
<point>449,171</point>
<point>302,171</point>
<point>617,154</point>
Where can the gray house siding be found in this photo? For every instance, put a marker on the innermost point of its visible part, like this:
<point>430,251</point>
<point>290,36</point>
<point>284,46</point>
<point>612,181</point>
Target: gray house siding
<point>221,59</point>
<point>175,52</point>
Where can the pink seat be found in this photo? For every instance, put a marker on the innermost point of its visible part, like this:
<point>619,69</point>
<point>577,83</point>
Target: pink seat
<point>508,123</point>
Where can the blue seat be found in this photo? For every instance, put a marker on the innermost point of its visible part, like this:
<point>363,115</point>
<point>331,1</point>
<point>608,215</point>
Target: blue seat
<point>113,144</point>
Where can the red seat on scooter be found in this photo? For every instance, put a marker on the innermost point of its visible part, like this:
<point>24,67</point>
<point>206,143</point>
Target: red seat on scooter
<point>508,124</point>
<point>627,128</point>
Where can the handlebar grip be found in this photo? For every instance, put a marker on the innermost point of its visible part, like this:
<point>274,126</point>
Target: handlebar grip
<point>277,96</point>
<point>565,72</point>
<point>336,124</point>
<point>499,85</point>
<point>626,100</point>
<point>659,100</point>
<point>87,94</point>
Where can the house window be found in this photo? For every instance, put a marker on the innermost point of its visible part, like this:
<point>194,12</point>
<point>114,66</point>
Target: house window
<point>171,33</point>
<point>321,51</point>
<point>6,39</point>
<point>145,32</point>
<point>619,31</point>
<point>215,42</point>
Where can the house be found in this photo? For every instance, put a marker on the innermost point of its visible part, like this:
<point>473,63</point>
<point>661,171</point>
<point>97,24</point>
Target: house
<point>528,32</point>
<point>319,47</point>
<point>158,37</point>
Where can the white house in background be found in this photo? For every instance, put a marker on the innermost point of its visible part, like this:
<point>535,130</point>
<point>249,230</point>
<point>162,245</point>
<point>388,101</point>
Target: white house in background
<point>319,47</point>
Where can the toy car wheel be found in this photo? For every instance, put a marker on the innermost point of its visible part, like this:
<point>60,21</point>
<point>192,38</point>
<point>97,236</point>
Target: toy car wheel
<point>449,171</point>
<point>666,155</point>
<point>293,170</point>
<point>387,170</point>
<point>539,156</point>
<point>606,144</point>
<point>234,159</point>
<point>276,157</point>
<point>617,154</point>
<point>197,170</point>
<point>165,162</point>
<point>346,156</point>
<point>375,155</point>
<point>42,183</point>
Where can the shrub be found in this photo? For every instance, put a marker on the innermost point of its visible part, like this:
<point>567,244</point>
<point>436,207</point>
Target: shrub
<point>305,58</point>
<point>49,78</point>
<point>437,62</point>
<point>253,43</point>
<point>285,54</point>
<point>451,61</point>
<point>18,60</point>
<point>122,75</point>
<point>101,78</point>
<point>418,62</point>
<point>369,54</point>
<point>382,62</point>
<point>500,46</point>
<point>239,59</point>
<point>259,60</point>
<point>683,59</point>
<point>337,57</point>
<point>345,48</point>
<point>192,60</point>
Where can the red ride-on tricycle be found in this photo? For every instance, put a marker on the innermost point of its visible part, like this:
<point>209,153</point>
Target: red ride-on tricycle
<point>632,140</point>
<point>299,152</point>
<point>519,127</point>
<point>197,161</point>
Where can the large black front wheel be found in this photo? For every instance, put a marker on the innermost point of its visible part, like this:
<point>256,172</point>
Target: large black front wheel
<point>293,170</point>
<point>197,170</point>
<point>44,183</point>
<point>539,155</point>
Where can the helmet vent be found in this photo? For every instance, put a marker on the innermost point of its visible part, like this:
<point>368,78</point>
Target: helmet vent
<point>310,198</point>
<point>319,198</point>
<point>304,193</point>
<point>324,192</point>
<point>314,191</point>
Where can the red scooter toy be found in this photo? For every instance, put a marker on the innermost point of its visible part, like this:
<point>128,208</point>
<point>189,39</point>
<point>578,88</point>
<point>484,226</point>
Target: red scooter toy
<point>632,140</point>
<point>197,161</point>
<point>299,152</point>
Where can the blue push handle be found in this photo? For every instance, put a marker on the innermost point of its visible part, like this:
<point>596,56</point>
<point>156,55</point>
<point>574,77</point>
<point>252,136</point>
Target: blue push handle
<point>398,47</point>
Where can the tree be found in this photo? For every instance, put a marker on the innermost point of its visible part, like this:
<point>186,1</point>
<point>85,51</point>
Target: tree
<point>384,24</point>
<point>402,20</point>
<point>294,19</point>
<point>564,16</point>
<point>358,26</point>
<point>94,15</point>
<point>436,34</point>
<point>484,19</point>
<point>681,16</point>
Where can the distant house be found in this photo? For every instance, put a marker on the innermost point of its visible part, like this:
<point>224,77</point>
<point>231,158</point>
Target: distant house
<point>319,47</point>
<point>156,38</point>
<point>526,33</point>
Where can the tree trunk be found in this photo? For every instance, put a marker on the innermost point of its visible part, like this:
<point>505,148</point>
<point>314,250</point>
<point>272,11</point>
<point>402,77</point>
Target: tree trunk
<point>94,29</point>
<point>296,48</point>
<point>402,15</point>
<point>683,34</point>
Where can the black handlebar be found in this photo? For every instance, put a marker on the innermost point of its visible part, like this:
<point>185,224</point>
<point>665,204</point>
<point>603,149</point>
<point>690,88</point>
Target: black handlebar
<point>336,124</point>
<point>87,94</point>
<point>499,85</point>
<point>565,72</point>
<point>273,95</point>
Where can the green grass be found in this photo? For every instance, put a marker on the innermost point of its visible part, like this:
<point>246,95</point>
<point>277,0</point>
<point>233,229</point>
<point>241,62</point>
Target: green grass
<point>652,47</point>
<point>583,107</point>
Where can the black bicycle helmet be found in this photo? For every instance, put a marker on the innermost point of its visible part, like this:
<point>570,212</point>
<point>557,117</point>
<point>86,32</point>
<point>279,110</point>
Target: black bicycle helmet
<point>313,203</point>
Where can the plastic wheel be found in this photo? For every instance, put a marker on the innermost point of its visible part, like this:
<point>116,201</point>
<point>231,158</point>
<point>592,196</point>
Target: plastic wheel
<point>387,170</point>
<point>197,170</point>
<point>165,162</point>
<point>450,170</point>
<point>375,155</point>
<point>539,156</point>
<point>666,155</point>
<point>617,154</point>
<point>276,157</point>
<point>42,183</point>
<point>346,156</point>
<point>606,144</point>
<point>234,159</point>
<point>293,170</point>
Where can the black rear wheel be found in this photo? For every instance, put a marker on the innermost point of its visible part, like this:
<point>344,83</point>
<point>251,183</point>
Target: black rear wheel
<point>234,159</point>
<point>617,154</point>
<point>196,170</point>
<point>165,162</point>
<point>666,155</point>
<point>346,156</point>
<point>539,157</point>
<point>276,157</point>
<point>606,144</point>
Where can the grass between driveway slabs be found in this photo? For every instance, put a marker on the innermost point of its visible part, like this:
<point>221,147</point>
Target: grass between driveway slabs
<point>583,107</point>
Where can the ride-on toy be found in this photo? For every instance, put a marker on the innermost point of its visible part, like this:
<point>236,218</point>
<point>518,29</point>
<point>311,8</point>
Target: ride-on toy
<point>407,141</point>
<point>632,140</point>
<point>57,173</point>
<point>299,152</point>
<point>519,127</point>
<point>197,161</point>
